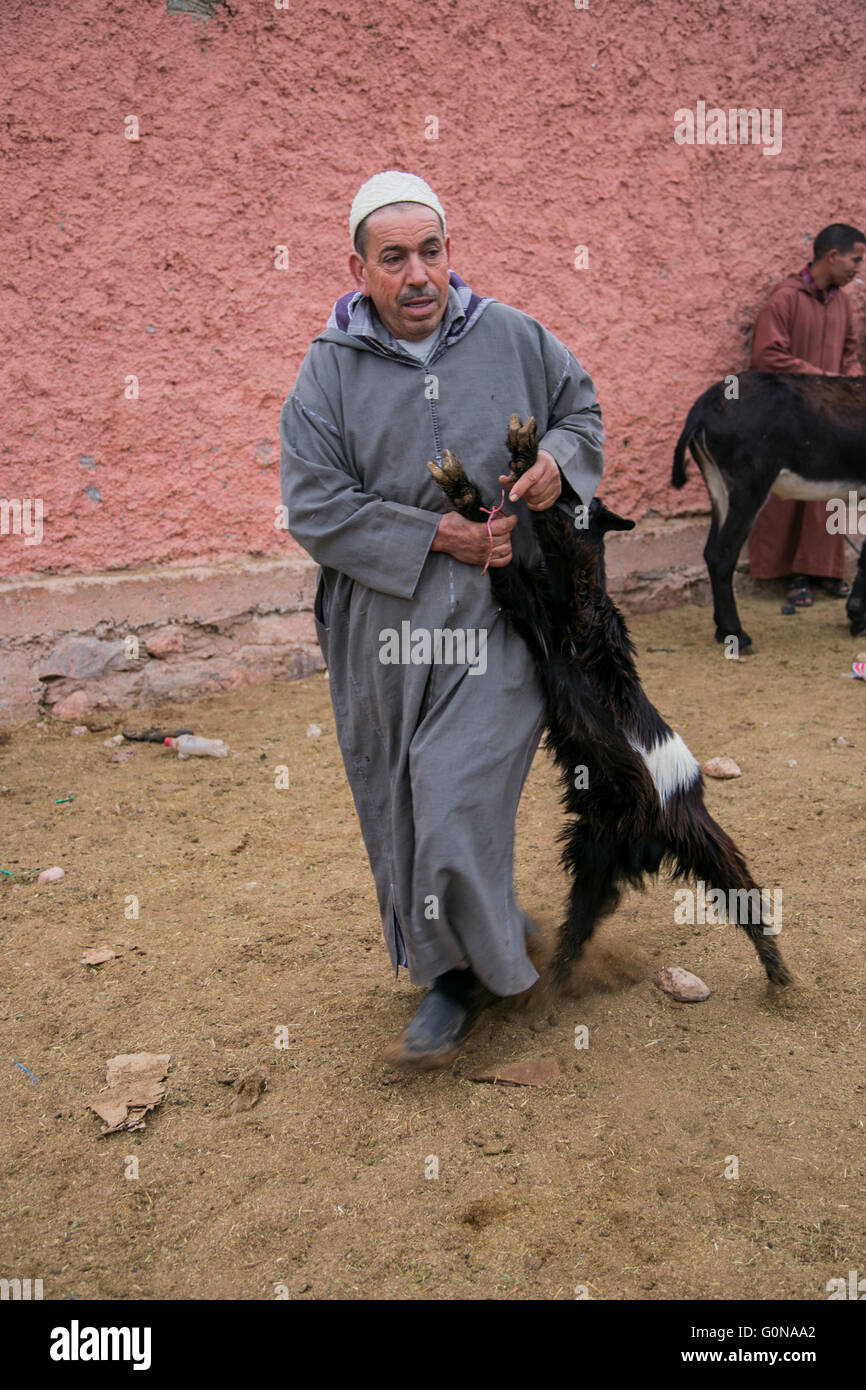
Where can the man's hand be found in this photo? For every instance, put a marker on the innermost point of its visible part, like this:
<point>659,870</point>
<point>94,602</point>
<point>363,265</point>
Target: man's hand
<point>468,540</point>
<point>540,485</point>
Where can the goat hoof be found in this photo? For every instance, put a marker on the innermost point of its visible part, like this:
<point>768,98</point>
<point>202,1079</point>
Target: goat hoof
<point>858,626</point>
<point>522,444</point>
<point>460,491</point>
<point>450,470</point>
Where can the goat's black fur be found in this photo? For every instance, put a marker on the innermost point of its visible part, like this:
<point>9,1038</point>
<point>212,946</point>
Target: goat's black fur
<point>618,829</point>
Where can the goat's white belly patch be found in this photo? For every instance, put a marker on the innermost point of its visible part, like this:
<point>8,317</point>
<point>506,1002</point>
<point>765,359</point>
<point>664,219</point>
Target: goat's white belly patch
<point>795,488</point>
<point>670,764</point>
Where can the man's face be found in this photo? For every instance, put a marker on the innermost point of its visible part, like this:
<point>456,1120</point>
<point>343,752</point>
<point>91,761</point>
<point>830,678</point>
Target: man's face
<point>405,270</point>
<point>843,268</point>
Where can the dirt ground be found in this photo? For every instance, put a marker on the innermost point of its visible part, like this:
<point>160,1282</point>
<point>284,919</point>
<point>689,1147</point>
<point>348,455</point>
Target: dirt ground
<point>257,911</point>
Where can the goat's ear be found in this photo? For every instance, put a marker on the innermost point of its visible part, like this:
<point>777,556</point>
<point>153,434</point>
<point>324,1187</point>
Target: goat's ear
<point>607,520</point>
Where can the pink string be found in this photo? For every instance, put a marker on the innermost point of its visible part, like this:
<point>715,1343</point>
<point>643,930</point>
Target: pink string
<point>491,512</point>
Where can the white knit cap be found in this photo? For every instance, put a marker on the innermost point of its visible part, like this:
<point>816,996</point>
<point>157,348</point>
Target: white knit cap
<point>393,186</point>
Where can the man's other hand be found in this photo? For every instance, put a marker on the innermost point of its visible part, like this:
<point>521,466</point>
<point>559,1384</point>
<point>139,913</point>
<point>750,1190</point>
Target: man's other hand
<point>469,541</point>
<point>540,485</point>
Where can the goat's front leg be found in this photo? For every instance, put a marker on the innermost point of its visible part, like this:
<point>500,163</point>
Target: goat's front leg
<point>516,588</point>
<point>522,444</point>
<point>460,490</point>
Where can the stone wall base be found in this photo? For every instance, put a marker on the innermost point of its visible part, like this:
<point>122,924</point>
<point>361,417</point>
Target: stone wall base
<point>83,647</point>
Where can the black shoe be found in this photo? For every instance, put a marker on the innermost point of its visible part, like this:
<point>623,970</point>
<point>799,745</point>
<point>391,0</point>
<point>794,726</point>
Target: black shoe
<point>445,1019</point>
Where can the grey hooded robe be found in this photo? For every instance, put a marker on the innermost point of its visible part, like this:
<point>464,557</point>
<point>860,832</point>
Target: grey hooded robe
<point>436,751</point>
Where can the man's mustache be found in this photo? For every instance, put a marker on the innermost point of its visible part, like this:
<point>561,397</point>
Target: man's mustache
<point>428,292</point>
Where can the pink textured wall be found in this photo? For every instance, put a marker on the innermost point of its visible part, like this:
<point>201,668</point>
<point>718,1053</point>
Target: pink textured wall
<point>156,257</point>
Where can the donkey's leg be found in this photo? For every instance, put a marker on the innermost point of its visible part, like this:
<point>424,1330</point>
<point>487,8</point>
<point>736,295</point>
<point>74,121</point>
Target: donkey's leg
<point>738,483</point>
<point>703,850</point>
<point>855,608</point>
<point>721,552</point>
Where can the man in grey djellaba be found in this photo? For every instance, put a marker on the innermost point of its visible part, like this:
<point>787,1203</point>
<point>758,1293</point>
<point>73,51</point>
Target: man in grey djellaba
<point>437,704</point>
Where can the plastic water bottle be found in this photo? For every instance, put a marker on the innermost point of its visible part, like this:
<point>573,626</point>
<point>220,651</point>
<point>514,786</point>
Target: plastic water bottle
<point>190,746</point>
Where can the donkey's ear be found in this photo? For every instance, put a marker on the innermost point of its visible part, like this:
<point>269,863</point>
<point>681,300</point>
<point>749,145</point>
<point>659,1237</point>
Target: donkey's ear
<point>606,520</point>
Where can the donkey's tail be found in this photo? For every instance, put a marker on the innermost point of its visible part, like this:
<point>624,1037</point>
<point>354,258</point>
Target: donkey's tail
<point>694,420</point>
<point>678,473</point>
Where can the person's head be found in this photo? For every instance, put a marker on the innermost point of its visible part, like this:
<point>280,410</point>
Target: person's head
<point>402,252</point>
<point>838,253</point>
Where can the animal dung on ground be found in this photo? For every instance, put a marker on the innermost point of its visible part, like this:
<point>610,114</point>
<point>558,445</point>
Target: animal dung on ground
<point>249,1090</point>
<point>721,767</point>
<point>134,1087</point>
<point>483,1212</point>
<point>536,1072</point>
<point>682,984</point>
<point>55,875</point>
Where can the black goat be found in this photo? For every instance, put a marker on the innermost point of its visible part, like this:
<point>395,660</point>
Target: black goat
<point>640,802</point>
<point>799,436</point>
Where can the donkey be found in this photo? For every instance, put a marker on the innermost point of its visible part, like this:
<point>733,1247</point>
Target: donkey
<point>797,435</point>
<point>631,789</point>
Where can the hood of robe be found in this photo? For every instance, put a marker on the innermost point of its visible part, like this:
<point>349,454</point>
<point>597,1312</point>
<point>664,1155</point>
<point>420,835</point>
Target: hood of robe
<point>797,281</point>
<point>351,323</point>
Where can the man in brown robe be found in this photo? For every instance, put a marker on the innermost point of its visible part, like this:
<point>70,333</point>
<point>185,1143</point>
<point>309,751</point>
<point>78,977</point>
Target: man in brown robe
<point>806,326</point>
